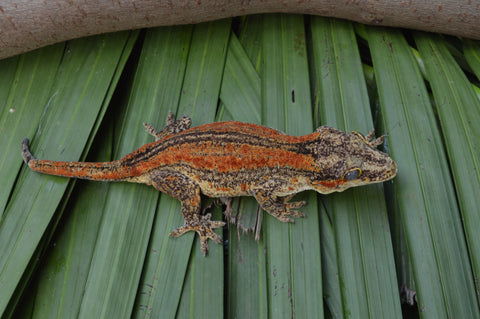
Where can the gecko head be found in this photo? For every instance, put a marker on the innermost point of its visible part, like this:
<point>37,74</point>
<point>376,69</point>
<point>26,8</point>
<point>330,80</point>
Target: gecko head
<point>347,160</point>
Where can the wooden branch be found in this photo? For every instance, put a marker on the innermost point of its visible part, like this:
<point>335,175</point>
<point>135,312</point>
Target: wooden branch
<point>29,24</point>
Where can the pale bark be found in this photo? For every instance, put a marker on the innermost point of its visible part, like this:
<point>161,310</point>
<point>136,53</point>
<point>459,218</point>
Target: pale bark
<point>30,24</point>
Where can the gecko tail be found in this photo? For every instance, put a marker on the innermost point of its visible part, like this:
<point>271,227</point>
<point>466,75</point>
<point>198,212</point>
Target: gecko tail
<point>103,171</point>
<point>26,154</point>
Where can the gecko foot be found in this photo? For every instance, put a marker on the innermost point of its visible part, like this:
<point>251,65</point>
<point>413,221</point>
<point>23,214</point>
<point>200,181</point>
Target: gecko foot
<point>172,127</point>
<point>286,210</point>
<point>204,226</point>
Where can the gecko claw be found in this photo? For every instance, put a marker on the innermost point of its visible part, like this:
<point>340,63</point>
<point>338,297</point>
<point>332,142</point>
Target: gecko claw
<point>204,226</point>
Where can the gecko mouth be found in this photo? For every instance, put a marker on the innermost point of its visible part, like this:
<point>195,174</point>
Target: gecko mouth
<point>387,175</point>
<point>393,171</point>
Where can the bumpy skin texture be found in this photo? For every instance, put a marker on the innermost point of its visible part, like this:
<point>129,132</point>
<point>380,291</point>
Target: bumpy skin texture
<point>227,159</point>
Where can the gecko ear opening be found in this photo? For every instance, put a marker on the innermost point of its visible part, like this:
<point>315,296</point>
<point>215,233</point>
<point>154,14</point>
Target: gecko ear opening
<point>352,174</point>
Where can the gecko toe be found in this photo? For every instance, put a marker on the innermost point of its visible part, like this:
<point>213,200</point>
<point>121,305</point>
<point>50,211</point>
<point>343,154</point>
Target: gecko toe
<point>296,213</point>
<point>179,231</point>
<point>216,224</point>
<point>209,234</point>
<point>285,219</point>
<point>296,204</point>
<point>204,245</point>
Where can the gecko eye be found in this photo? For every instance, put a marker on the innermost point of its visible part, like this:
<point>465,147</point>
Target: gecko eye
<point>352,174</point>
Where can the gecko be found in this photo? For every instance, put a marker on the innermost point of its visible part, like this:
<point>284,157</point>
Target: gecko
<point>229,159</point>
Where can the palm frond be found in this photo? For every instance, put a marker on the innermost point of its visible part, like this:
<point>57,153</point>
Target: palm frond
<point>85,249</point>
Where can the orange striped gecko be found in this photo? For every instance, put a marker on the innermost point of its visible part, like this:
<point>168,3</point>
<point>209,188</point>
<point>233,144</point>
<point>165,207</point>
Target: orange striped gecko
<point>227,159</point>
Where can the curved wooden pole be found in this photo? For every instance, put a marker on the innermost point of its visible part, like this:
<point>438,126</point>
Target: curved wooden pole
<point>29,24</point>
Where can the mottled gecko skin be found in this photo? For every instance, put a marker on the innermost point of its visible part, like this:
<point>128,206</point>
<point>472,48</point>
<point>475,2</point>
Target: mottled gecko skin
<point>227,159</point>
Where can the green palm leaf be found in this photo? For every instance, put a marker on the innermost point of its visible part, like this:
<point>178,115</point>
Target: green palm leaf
<point>87,249</point>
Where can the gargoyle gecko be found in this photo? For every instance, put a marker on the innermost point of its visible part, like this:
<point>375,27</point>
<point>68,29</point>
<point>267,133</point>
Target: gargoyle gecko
<point>227,159</point>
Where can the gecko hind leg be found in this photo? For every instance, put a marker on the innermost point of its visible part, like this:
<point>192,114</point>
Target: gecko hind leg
<point>187,191</point>
<point>172,127</point>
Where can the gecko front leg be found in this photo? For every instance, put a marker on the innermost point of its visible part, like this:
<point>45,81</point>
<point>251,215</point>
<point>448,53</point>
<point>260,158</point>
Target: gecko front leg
<point>266,193</point>
<point>187,191</point>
